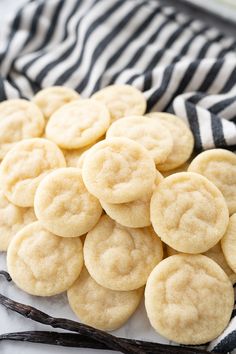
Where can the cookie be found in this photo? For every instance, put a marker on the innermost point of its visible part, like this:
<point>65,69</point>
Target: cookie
<point>12,219</point>
<point>132,214</point>
<point>188,212</point>
<point>50,99</point>
<point>121,258</point>
<point>72,157</point>
<point>183,140</point>
<point>216,254</point>
<point>219,166</point>
<point>118,170</point>
<point>228,243</point>
<point>41,263</point>
<point>19,119</point>
<point>121,100</point>
<point>25,166</point>
<point>78,124</point>
<point>189,299</point>
<point>182,168</point>
<point>100,307</point>
<point>150,133</point>
<point>64,206</point>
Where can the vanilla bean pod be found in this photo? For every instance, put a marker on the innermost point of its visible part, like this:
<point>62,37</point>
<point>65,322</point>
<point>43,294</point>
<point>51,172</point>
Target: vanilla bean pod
<point>79,341</point>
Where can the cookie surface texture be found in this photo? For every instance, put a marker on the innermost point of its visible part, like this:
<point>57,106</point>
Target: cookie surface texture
<point>52,98</point>
<point>118,170</point>
<point>78,124</point>
<point>121,258</point>
<point>25,166</point>
<point>43,264</point>
<point>219,166</point>
<point>122,100</point>
<point>189,299</point>
<point>100,307</point>
<point>148,132</point>
<point>64,206</point>
<point>19,119</point>
<point>183,140</point>
<point>188,212</point>
<point>228,243</point>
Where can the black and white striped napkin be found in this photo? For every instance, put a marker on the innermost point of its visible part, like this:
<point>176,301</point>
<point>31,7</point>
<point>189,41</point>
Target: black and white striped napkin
<point>182,65</point>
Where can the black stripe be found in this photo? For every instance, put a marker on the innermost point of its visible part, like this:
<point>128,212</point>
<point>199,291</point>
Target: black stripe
<point>14,28</point>
<point>208,44</point>
<point>194,125</point>
<point>2,90</point>
<point>221,105</point>
<point>197,97</point>
<point>230,82</point>
<point>153,99</point>
<point>226,50</point>
<point>34,24</point>
<point>147,81</point>
<point>211,75</point>
<point>157,57</point>
<point>140,51</point>
<point>51,28</point>
<point>90,30</point>
<point>104,43</point>
<point>134,36</point>
<point>16,87</point>
<point>227,344</point>
<point>217,131</point>
<point>189,73</point>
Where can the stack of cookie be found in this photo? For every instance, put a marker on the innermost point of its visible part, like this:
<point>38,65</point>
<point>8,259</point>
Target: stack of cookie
<point>93,190</point>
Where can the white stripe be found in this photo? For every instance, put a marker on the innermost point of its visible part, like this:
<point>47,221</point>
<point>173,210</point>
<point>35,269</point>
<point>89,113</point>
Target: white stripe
<point>23,83</point>
<point>229,112</point>
<point>200,74</point>
<point>204,120</point>
<point>180,109</point>
<point>229,130</point>
<point>117,42</point>
<point>87,21</point>
<point>11,92</point>
<point>18,40</point>
<point>222,76</point>
<point>57,51</point>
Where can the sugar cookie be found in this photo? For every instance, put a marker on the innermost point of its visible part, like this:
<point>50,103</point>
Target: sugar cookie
<point>118,170</point>
<point>219,166</point>
<point>78,124</point>
<point>72,157</point>
<point>121,100</point>
<point>52,98</point>
<point>182,139</point>
<point>100,307</point>
<point>43,264</point>
<point>188,212</point>
<point>121,258</point>
<point>189,299</point>
<point>19,119</point>
<point>12,219</point>
<point>228,243</point>
<point>64,206</point>
<point>25,166</point>
<point>148,132</point>
<point>132,214</point>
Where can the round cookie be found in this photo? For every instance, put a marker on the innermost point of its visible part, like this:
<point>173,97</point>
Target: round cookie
<point>19,119</point>
<point>52,98</point>
<point>189,299</point>
<point>183,140</point>
<point>188,212</point>
<point>150,133</point>
<point>219,166</point>
<point>118,170</point>
<point>41,263</point>
<point>121,258</point>
<point>121,100</point>
<point>64,206</point>
<point>216,254</point>
<point>12,219</point>
<point>228,243</point>
<point>25,166</point>
<point>100,307</point>
<point>132,214</point>
<point>78,124</point>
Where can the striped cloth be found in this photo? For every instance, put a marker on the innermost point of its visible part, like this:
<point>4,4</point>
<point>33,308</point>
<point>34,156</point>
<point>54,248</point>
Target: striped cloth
<point>182,65</point>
